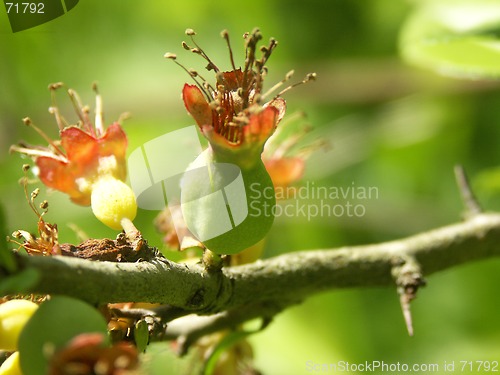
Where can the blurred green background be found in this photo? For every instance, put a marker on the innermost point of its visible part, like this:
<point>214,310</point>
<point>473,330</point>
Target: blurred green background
<point>389,125</point>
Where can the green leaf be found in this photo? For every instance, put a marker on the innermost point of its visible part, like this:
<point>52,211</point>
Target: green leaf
<point>458,38</point>
<point>141,335</point>
<point>55,322</point>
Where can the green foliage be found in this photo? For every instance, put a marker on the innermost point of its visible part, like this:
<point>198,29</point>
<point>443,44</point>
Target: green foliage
<point>20,281</point>
<point>55,322</point>
<point>6,258</point>
<point>141,335</point>
<point>457,38</point>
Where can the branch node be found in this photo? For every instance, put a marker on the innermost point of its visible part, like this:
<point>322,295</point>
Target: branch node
<point>408,276</point>
<point>472,206</point>
<point>212,262</point>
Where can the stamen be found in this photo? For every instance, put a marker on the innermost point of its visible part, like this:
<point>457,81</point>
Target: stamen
<point>32,196</point>
<point>277,85</point>
<point>99,118</point>
<point>37,153</point>
<point>309,77</point>
<point>27,121</point>
<point>80,111</point>
<point>225,35</point>
<point>123,116</point>
<point>199,50</point>
<point>173,57</point>
<point>54,109</point>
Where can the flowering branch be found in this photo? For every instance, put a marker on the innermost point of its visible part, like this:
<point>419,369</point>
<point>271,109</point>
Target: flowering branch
<point>264,288</point>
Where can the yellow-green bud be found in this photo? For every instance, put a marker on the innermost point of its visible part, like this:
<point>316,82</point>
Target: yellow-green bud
<point>13,316</point>
<point>112,201</point>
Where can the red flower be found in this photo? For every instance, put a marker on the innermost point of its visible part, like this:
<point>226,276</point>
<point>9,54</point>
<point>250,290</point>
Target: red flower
<point>87,163</point>
<point>87,156</point>
<point>83,153</point>
<point>231,114</point>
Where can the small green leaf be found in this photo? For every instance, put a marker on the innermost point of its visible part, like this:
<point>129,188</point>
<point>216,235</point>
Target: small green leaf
<point>55,322</point>
<point>141,335</point>
<point>457,38</point>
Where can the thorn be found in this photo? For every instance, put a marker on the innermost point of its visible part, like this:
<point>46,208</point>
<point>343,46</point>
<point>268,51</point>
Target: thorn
<point>404,300</point>
<point>472,206</point>
<point>409,279</point>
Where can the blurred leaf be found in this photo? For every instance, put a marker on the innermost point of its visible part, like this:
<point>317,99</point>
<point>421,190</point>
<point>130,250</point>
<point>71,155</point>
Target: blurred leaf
<point>454,37</point>
<point>141,335</point>
<point>227,342</point>
<point>56,322</point>
<point>19,283</point>
<point>487,184</point>
<point>6,257</point>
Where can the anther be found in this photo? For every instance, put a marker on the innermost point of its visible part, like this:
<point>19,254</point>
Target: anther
<point>170,55</point>
<point>55,86</point>
<point>190,32</point>
<point>35,193</point>
<point>26,167</point>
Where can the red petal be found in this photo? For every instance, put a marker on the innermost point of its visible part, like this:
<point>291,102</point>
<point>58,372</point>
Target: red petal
<point>261,126</point>
<point>285,171</point>
<point>280,105</point>
<point>58,175</point>
<point>197,105</point>
<point>81,148</point>
<point>114,142</point>
<point>232,80</point>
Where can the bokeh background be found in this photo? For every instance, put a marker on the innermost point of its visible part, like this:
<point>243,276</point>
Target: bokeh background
<point>388,125</point>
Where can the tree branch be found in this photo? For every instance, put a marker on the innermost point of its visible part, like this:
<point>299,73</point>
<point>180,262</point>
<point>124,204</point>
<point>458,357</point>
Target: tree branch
<point>264,288</point>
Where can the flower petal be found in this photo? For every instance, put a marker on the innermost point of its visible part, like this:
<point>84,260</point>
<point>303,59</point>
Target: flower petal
<point>197,105</point>
<point>261,125</point>
<point>280,105</point>
<point>80,146</point>
<point>285,171</point>
<point>232,80</point>
<point>58,175</point>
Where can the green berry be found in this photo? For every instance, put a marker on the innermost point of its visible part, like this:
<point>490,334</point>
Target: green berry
<point>226,207</point>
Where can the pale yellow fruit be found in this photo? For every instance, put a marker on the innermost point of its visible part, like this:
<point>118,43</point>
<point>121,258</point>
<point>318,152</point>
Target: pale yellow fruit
<point>13,316</point>
<point>112,201</point>
<point>11,365</point>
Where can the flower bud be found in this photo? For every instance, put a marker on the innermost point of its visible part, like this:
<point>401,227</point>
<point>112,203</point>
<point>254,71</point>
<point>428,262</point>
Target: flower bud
<point>112,201</point>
